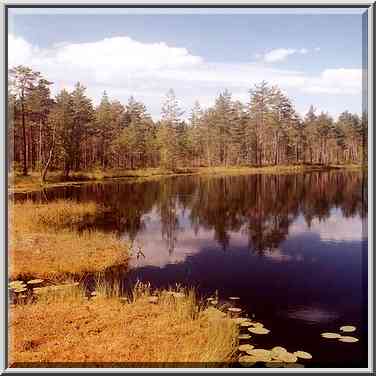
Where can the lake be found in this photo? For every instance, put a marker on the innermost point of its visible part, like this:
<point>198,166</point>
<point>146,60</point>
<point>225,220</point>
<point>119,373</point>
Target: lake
<point>292,247</point>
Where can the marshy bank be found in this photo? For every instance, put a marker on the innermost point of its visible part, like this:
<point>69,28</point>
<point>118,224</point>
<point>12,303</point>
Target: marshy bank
<point>152,329</point>
<point>31,182</point>
<point>67,327</point>
<point>45,241</point>
<point>54,319</point>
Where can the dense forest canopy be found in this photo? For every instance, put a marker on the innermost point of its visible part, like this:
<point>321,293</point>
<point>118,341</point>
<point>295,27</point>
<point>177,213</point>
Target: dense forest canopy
<point>69,133</point>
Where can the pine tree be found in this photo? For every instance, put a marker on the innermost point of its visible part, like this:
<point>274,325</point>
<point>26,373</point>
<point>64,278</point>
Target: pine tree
<point>22,82</point>
<point>62,117</point>
<point>195,134</point>
<point>167,134</point>
<point>260,115</point>
<point>39,105</point>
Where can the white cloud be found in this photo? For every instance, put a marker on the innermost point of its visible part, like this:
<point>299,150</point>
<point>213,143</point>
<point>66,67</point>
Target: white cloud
<point>337,81</point>
<point>123,66</point>
<point>20,51</point>
<point>281,54</point>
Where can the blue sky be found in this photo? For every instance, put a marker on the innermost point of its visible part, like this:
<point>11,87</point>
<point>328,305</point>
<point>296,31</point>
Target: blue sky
<point>315,58</point>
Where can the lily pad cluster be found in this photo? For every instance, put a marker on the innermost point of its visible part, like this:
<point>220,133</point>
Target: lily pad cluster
<point>276,357</point>
<point>20,291</point>
<point>17,286</point>
<point>340,337</point>
<point>249,355</point>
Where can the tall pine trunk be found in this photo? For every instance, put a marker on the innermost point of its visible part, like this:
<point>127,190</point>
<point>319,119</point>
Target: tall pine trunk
<point>24,172</point>
<point>49,160</point>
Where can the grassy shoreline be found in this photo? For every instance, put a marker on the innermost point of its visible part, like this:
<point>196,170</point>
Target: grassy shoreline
<point>44,241</point>
<point>61,322</point>
<point>23,184</point>
<point>164,328</point>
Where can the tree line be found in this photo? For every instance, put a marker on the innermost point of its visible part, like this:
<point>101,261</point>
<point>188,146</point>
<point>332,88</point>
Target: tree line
<point>69,133</point>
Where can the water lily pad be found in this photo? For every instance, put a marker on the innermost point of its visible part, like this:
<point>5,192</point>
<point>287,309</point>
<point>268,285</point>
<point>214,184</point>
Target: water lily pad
<point>17,283</point>
<point>244,336</point>
<point>330,335</point>
<point>240,320</point>
<point>234,310</point>
<point>277,350</point>
<point>288,357</point>
<point>258,330</point>
<point>213,312</point>
<point>260,352</point>
<point>348,339</point>
<point>19,289</point>
<point>302,355</point>
<point>260,356</point>
<point>246,324</point>
<point>347,328</point>
<point>257,324</point>
<point>245,347</point>
<point>247,361</point>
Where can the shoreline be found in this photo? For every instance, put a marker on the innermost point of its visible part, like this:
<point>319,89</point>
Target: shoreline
<point>33,183</point>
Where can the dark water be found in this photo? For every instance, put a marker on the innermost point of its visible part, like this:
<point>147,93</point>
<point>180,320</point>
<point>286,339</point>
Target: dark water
<point>292,247</point>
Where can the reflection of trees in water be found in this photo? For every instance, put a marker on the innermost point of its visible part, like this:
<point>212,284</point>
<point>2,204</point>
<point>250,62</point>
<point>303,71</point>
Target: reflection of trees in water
<point>260,206</point>
<point>214,206</point>
<point>167,205</point>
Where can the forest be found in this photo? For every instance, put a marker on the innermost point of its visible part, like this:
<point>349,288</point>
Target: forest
<point>68,133</point>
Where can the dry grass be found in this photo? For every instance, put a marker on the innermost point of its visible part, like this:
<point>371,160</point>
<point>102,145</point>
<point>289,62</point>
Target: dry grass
<point>31,182</point>
<point>20,183</point>
<point>62,326</point>
<point>278,169</point>
<point>44,244</point>
<point>172,332</point>
<point>56,215</point>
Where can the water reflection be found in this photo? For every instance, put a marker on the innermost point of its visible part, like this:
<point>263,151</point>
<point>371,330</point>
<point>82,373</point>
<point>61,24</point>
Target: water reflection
<point>312,314</point>
<point>292,247</point>
<point>176,216</point>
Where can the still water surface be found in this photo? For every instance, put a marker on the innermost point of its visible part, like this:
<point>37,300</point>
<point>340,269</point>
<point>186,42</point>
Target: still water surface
<point>292,247</point>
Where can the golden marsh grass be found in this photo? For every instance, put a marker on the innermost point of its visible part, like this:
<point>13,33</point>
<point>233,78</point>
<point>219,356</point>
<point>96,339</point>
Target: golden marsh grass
<point>108,329</point>
<point>44,244</point>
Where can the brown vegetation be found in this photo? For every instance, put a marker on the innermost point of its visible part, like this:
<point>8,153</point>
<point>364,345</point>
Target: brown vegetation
<point>171,331</point>
<point>31,182</point>
<point>43,241</point>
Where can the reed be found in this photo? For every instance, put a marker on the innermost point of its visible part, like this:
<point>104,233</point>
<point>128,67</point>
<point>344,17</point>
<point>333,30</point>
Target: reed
<point>174,331</point>
<point>43,242</point>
